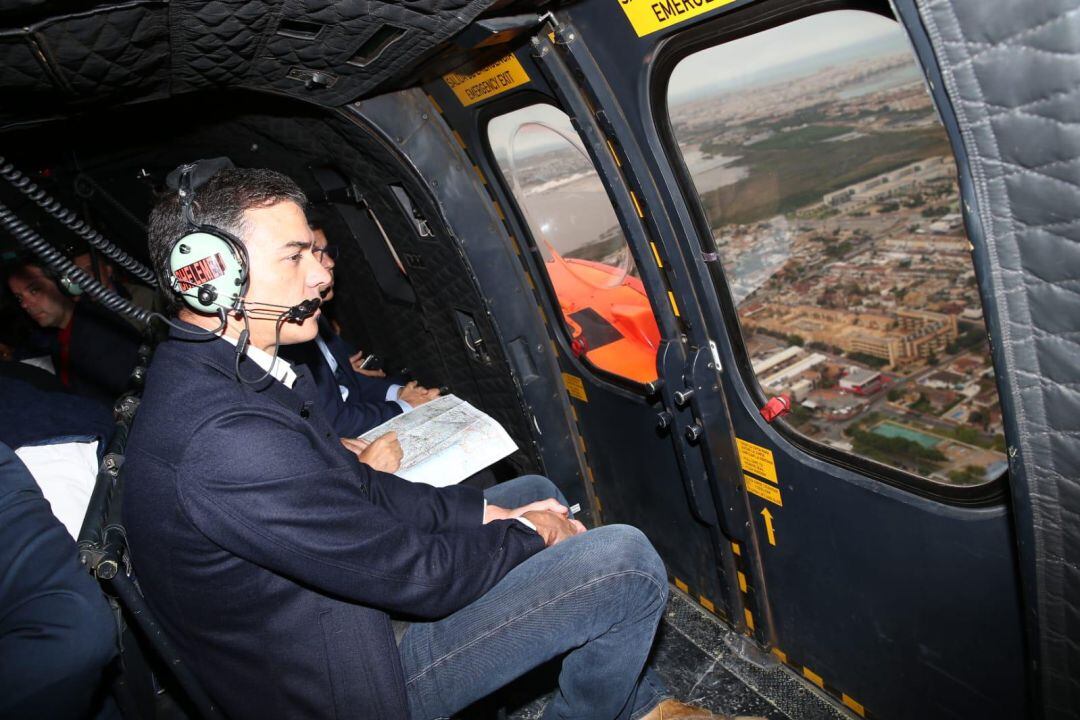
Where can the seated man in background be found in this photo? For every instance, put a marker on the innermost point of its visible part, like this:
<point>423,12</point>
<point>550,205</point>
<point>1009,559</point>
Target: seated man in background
<point>57,633</point>
<point>93,350</point>
<point>355,402</point>
<point>274,558</point>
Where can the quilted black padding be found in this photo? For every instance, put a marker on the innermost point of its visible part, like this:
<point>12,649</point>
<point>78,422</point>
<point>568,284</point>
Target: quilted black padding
<point>347,25</point>
<point>122,56</point>
<point>1012,73</point>
<point>215,43</point>
<point>119,52</point>
<point>21,71</point>
<point>143,49</point>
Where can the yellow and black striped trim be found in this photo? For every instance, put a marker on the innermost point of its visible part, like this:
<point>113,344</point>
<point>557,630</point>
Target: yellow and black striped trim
<point>590,477</point>
<point>699,598</point>
<point>746,591</point>
<point>813,678</point>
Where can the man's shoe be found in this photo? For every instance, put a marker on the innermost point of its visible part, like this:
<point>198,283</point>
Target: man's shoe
<point>675,710</point>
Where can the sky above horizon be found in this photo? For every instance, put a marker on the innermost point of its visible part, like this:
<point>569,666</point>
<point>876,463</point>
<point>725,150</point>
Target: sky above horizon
<point>800,47</point>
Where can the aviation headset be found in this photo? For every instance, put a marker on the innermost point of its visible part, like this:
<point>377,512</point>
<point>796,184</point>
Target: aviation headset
<point>208,266</point>
<point>69,286</point>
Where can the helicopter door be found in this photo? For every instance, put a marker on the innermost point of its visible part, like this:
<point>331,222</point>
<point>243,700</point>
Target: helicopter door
<point>813,194</point>
<point>614,324</point>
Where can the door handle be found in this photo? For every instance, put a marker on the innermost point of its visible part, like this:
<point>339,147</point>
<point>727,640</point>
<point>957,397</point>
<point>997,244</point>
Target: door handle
<point>470,335</point>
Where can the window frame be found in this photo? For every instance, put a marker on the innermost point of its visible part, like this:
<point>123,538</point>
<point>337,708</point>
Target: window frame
<point>520,101</point>
<point>745,22</point>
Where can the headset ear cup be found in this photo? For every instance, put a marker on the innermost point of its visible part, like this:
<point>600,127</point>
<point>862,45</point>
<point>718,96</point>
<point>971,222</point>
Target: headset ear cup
<point>208,270</point>
<point>69,286</point>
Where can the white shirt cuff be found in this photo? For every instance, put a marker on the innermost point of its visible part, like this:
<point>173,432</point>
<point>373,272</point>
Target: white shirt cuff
<point>392,393</point>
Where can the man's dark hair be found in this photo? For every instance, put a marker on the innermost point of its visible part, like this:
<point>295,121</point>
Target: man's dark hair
<point>221,202</point>
<point>24,262</point>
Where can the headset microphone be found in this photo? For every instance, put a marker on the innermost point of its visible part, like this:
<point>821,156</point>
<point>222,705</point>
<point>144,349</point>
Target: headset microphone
<point>303,310</point>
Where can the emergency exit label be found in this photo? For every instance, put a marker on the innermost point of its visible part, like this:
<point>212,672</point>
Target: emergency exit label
<point>649,16</point>
<point>487,82</point>
<point>763,490</point>
<point>575,387</point>
<point>756,460</point>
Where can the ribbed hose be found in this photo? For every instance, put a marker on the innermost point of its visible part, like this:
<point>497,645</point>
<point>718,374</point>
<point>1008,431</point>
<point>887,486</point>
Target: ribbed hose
<point>55,259</point>
<point>50,205</point>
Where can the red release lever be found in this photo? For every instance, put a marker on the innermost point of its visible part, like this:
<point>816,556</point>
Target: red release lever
<point>779,405</point>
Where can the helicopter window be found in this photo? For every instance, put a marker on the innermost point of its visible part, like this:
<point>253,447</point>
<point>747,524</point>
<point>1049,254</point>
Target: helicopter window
<point>605,309</point>
<point>830,189</point>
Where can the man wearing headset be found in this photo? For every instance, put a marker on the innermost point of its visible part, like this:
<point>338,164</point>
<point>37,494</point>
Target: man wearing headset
<point>275,559</point>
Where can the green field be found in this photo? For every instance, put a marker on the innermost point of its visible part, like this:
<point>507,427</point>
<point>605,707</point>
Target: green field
<point>800,138</point>
<point>794,169</point>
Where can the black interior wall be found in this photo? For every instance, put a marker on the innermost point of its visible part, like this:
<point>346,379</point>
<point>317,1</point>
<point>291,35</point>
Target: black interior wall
<point>293,138</point>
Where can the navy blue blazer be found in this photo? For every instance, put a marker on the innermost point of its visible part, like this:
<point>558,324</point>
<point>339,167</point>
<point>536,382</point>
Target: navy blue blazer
<point>366,389</point>
<point>366,406</point>
<point>103,352</point>
<point>272,556</point>
<point>56,630</point>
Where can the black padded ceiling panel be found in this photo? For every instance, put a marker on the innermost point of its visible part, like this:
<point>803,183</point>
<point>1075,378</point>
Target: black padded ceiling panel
<point>119,52</point>
<point>54,59</point>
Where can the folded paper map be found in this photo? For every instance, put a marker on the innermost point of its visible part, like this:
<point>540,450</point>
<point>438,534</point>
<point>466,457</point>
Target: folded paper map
<point>445,441</point>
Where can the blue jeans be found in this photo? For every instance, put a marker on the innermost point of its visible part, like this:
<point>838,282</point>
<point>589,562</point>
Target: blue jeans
<point>598,597</point>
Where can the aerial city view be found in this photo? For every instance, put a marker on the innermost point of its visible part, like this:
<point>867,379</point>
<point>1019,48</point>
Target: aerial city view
<point>830,190</point>
<point>831,193</point>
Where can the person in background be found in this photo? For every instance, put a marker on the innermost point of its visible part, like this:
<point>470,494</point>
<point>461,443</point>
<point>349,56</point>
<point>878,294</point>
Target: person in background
<point>354,401</point>
<point>93,351</point>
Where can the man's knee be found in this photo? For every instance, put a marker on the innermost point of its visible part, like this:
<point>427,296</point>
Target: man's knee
<point>540,486</point>
<point>527,489</point>
<point>625,549</point>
